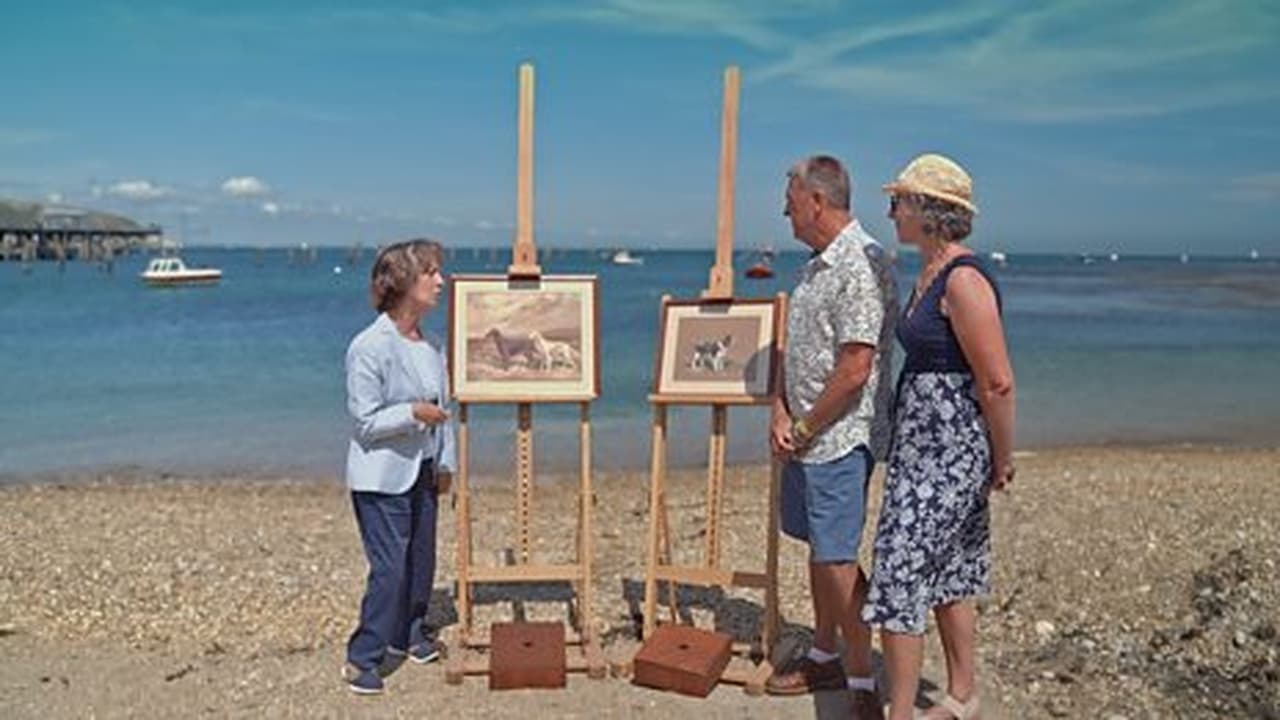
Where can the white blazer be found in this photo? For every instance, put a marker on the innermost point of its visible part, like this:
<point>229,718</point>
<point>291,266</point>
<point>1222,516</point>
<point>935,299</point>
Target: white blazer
<point>386,374</point>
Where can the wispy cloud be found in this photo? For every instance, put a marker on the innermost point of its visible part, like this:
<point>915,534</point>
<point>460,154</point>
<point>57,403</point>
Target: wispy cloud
<point>753,22</point>
<point>20,137</point>
<point>1049,63</point>
<point>1261,187</point>
<point>245,186</point>
<point>290,110</point>
<point>140,190</point>
<point>1119,173</point>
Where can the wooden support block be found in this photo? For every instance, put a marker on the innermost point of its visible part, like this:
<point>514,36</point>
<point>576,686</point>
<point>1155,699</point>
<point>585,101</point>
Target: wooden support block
<point>527,655</point>
<point>682,659</point>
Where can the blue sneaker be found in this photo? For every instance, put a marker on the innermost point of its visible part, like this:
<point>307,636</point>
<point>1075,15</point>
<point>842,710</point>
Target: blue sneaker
<point>425,652</point>
<point>363,682</point>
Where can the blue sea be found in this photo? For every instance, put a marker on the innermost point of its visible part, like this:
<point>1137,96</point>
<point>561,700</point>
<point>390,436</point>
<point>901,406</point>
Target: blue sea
<point>99,372</point>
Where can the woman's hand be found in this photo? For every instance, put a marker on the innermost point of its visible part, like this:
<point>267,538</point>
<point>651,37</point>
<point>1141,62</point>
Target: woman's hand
<point>1002,475</point>
<point>429,413</point>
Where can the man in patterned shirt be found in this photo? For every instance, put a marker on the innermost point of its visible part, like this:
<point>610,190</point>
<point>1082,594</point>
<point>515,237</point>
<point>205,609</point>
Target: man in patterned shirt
<point>833,419</point>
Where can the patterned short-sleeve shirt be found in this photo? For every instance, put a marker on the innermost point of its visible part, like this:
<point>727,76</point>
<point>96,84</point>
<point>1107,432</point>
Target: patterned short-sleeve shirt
<point>845,294</point>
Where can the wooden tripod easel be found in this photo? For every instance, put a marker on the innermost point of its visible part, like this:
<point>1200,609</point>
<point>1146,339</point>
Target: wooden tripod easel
<point>462,660</point>
<point>659,560</point>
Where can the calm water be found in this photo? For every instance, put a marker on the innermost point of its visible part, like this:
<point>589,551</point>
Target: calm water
<point>97,370</point>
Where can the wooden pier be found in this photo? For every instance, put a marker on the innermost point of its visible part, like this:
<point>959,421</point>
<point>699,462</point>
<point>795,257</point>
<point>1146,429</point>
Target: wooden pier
<point>32,231</point>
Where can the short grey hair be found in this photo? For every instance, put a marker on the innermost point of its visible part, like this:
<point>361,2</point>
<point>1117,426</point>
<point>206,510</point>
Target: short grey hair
<point>826,176</point>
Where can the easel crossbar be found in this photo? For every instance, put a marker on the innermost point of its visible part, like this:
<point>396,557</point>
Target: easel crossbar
<point>712,576</point>
<point>526,573</point>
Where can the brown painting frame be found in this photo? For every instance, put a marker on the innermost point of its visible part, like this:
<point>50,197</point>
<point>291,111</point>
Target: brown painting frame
<point>667,387</point>
<point>519,390</point>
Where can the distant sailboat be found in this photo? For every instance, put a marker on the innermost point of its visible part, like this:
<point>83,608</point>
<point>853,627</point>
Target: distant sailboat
<point>1253,254</point>
<point>1184,258</point>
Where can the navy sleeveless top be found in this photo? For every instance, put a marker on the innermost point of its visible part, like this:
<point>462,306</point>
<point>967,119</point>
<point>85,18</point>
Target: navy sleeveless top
<point>926,334</point>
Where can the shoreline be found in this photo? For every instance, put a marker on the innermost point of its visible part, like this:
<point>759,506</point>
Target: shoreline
<point>249,472</point>
<point>1135,582</point>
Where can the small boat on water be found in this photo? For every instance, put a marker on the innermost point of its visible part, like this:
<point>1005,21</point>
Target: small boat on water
<point>172,271</point>
<point>999,258</point>
<point>762,268</point>
<point>623,257</point>
<point>1253,254</point>
<point>760,271</point>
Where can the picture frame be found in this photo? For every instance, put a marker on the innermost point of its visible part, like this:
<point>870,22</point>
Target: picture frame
<point>719,351</point>
<point>524,340</point>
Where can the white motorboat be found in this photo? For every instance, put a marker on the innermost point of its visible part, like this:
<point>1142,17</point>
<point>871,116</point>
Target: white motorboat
<point>172,271</point>
<point>623,257</point>
<point>999,258</point>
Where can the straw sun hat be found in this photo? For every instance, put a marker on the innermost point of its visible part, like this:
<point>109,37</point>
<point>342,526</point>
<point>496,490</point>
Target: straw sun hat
<point>936,176</point>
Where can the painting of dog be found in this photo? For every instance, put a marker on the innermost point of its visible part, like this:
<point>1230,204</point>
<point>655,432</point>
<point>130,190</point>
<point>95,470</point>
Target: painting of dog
<point>522,339</point>
<point>717,348</point>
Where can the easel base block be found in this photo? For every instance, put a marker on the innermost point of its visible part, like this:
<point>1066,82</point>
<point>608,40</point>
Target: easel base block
<point>527,655</point>
<point>468,657</point>
<point>682,659</point>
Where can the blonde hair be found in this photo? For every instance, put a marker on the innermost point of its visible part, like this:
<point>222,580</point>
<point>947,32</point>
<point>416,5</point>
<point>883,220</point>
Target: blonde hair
<point>398,267</point>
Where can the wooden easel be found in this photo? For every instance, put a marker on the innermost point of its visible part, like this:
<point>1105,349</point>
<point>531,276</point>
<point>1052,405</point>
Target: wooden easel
<point>659,561</point>
<point>466,645</point>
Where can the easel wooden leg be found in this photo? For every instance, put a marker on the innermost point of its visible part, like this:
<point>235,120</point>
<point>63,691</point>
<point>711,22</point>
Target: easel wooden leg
<point>656,514</point>
<point>524,475</point>
<point>463,516</point>
<point>715,484</point>
<point>597,665</point>
<point>665,558</point>
<point>769,633</point>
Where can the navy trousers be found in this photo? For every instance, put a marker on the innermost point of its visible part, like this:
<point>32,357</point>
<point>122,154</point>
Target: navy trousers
<point>399,537</point>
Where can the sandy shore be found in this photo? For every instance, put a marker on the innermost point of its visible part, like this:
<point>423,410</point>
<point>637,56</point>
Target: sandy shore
<point>1129,583</point>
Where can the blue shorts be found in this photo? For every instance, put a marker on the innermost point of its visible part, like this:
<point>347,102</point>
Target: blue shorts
<point>825,504</point>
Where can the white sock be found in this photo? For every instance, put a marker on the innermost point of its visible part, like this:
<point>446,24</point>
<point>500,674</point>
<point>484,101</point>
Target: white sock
<point>821,656</point>
<point>861,683</point>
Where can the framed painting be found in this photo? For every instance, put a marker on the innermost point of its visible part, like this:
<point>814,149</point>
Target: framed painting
<point>719,350</point>
<point>515,340</point>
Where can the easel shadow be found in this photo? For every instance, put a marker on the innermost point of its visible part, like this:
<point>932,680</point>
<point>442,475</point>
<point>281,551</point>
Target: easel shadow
<point>443,610</point>
<point>741,619</point>
<point>736,617</point>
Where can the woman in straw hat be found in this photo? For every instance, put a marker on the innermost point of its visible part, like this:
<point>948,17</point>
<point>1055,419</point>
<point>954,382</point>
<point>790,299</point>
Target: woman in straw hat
<point>953,443</point>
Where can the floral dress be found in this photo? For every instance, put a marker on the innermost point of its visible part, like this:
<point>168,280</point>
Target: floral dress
<point>933,543</point>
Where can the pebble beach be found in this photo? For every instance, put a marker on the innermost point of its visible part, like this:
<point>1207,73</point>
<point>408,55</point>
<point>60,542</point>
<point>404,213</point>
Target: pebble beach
<point>1129,583</point>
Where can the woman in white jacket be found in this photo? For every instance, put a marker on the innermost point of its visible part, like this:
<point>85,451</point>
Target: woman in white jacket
<point>400,455</point>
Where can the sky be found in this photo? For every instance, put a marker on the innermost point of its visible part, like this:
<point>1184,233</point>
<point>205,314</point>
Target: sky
<point>1101,125</point>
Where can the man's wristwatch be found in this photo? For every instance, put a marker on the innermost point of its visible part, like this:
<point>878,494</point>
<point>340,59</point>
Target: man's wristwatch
<point>801,433</point>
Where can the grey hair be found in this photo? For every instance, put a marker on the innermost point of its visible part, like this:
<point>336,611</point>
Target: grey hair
<point>942,218</point>
<point>826,176</point>
<point>398,266</point>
